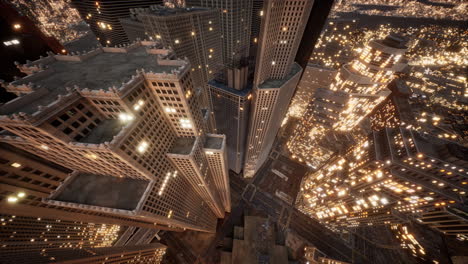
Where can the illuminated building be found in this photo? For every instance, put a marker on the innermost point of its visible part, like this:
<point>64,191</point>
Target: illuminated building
<point>148,253</point>
<point>117,131</point>
<point>231,110</point>
<point>103,17</point>
<point>36,236</point>
<point>395,173</point>
<point>192,33</point>
<point>314,256</point>
<point>133,27</point>
<point>319,117</point>
<point>235,27</point>
<point>256,21</point>
<point>366,78</point>
<point>357,89</point>
<point>276,76</point>
<point>314,77</point>
<point>216,153</point>
<point>54,18</point>
<point>27,180</point>
<point>335,45</point>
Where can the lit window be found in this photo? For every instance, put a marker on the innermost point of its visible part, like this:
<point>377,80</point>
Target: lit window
<point>125,117</point>
<point>185,123</point>
<point>16,165</point>
<point>11,42</point>
<point>12,199</point>
<point>176,41</point>
<point>138,105</point>
<point>142,147</point>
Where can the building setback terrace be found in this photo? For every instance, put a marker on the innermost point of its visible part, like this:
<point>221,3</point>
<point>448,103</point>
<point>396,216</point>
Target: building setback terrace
<point>101,191</point>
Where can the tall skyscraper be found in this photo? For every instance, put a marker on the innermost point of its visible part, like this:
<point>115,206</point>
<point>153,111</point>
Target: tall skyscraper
<point>276,75</point>
<point>235,27</point>
<point>231,110</point>
<point>120,135</point>
<point>193,33</point>
<point>23,236</point>
<point>146,253</point>
<point>103,17</point>
<point>396,174</point>
<point>28,179</point>
<point>314,77</point>
<point>229,91</point>
<point>357,88</point>
<point>335,45</point>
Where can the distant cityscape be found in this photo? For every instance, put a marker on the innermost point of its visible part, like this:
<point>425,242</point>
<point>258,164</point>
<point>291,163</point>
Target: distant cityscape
<point>229,131</point>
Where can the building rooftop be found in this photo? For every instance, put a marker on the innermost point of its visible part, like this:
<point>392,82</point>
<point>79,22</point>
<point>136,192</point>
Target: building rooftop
<point>258,243</point>
<point>102,71</point>
<point>182,146</point>
<point>213,142</point>
<point>102,191</point>
<point>103,132</point>
<point>277,83</point>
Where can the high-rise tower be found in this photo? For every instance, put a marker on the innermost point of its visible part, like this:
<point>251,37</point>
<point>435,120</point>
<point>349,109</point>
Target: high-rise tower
<point>103,17</point>
<point>357,89</point>
<point>193,33</point>
<point>229,91</point>
<point>120,135</point>
<point>235,27</point>
<point>276,75</point>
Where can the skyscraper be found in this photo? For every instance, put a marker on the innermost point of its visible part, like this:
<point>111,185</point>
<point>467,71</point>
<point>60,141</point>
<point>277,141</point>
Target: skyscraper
<point>103,17</point>
<point>231,110</point>
<point>23,236</point>
<point>193,33</point>
<point>119,136</point>
<point>257,6</point>
<point>398,172</point>
<point>357,88</point>
<point>276,75</point>
<point>394,175</point>
<point>235,27</point>
<point>146,253</point>
<point>28,179</point>
<point>335,45</point>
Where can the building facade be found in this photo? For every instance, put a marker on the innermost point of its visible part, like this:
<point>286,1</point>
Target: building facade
<point>231,110</point>
<point>276,76</point>
<point>335,45</point>
<point>395,175</point>
<point>193,33</point>
<point>235,27</point>
<point>103,17</point>
<point>121,135</point>
<point>357,89</point>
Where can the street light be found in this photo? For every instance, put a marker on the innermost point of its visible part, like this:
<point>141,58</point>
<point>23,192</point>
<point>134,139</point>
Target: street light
<point>17,26</point>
